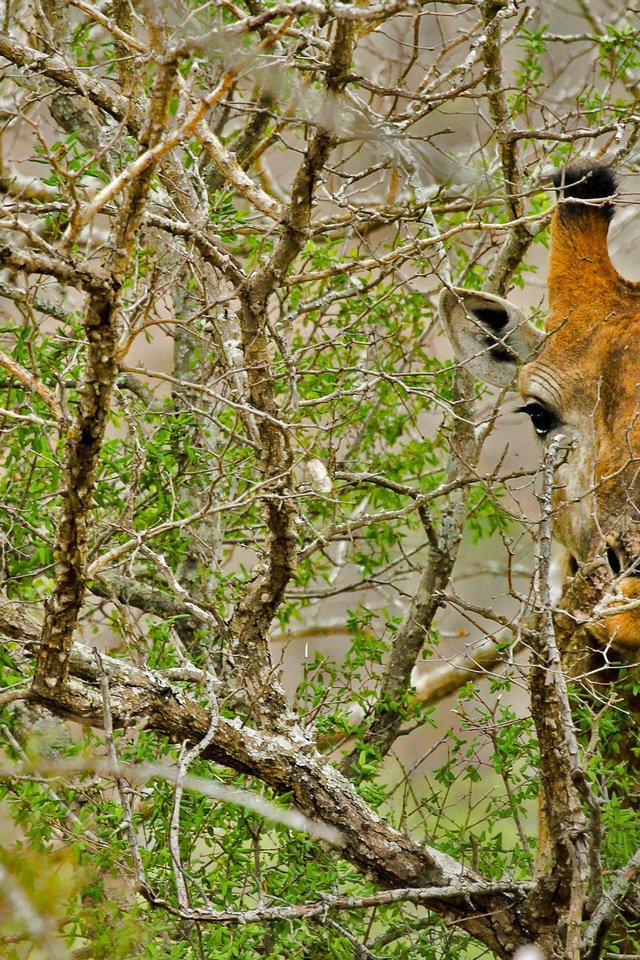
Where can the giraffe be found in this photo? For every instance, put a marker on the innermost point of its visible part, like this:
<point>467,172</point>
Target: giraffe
<point>579,380</point>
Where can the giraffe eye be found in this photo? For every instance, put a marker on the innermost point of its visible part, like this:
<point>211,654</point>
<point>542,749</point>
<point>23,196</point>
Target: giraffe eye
<point>543,420</point>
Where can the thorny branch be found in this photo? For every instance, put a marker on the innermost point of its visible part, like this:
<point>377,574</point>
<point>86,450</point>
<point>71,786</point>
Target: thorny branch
<point>561,771</point>
<point>242,215</point>
<point>443,547</point>
<point>316,786</point>
<point>85,436</point>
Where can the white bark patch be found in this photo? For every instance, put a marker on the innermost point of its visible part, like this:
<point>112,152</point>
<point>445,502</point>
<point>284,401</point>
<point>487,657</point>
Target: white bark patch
<point>318,476</point>
<point>530,952</point>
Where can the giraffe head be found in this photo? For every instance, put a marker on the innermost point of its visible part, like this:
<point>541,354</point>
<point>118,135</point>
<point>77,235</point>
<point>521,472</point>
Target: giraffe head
<point>580,379</point>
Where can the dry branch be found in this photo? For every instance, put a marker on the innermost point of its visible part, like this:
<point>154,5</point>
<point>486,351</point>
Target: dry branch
<point>293,442</point>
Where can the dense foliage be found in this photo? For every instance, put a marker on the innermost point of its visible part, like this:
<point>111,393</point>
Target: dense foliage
<point>235,449</point>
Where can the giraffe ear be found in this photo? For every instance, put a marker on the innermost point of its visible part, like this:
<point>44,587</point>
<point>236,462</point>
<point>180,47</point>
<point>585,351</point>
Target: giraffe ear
<point>489,335</point>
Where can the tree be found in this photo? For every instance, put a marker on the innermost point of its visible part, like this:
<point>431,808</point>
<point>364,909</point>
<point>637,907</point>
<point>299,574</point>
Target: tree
<point>226,427</point>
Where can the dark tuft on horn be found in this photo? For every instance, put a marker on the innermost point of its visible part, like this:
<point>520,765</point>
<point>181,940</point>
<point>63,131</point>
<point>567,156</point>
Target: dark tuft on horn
<point>586,180</point>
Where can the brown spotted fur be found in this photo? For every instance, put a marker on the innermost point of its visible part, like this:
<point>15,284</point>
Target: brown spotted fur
<point>588,370</point>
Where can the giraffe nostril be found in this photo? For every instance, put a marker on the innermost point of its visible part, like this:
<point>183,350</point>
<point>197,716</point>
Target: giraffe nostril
<point>630,569</point>
<point>614,561</point>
